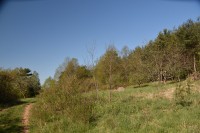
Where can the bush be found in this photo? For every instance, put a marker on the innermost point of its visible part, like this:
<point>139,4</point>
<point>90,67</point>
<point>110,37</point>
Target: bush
<point>182,94</point>
<point>65,102</point>
<point>8,93</point>
<point>17,83</point>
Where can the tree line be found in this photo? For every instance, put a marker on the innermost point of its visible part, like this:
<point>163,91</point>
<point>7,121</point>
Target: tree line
<point>173,55</point>
<point>74,90</point>
<point>18,83</point>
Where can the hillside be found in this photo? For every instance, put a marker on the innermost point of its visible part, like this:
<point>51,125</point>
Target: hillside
<point>152,108</point>
<point>149,88</point>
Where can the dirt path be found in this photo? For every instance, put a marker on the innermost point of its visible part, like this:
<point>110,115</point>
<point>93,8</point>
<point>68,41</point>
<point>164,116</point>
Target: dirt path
<point>25,119</point>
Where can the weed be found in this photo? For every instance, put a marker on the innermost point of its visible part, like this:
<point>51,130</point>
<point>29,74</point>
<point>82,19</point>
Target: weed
<point>182,94</point>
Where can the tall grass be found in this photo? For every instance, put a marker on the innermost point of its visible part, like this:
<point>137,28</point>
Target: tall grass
<point>126,113</point>
<point>63,109</point>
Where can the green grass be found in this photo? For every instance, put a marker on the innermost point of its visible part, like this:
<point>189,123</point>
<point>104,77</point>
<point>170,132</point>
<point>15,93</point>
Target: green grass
<point>11,116</point>
<point>146,115</point>
<point>128,113</point>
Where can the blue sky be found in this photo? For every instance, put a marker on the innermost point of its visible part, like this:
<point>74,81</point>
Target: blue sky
<point>40,34</point>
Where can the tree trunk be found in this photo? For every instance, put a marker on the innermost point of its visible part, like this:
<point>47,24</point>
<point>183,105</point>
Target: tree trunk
<point>96,87</point>
<point>161,76</point>
<point>179,78</point>
<point>195,69</point>
<point>110,96</point>
<point>110,89</point>
<point>110,81</point>
<point>164,77</point>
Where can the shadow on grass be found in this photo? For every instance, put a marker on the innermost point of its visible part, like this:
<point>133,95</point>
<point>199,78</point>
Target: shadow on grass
<point>11,104</point>
<point>172,82</point>
<point>16,103</point>
<point>10,125</point>
<point>11,116</point>
<point>10,120</point>
<point>141,86</point>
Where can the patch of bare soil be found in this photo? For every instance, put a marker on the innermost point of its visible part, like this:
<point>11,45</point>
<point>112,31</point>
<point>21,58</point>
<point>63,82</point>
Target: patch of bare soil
<point>119,89</point>
<point>144,95</point>
<point>25,119</point>
<point>168,94</point>
<point>196,88</point>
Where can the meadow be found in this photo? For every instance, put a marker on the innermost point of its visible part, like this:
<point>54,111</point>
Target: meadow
<point>151,108</point>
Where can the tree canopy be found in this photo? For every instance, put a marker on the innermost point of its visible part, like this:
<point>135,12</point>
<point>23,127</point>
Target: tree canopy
<point>18,83</point>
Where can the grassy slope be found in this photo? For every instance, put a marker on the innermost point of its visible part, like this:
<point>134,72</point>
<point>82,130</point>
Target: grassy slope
<point>11,117</point>
<point>133,111</point>
<point>139,114</point>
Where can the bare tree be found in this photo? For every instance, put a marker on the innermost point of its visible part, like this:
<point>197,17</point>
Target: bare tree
<point>91,65</point>
<point>111,63</point>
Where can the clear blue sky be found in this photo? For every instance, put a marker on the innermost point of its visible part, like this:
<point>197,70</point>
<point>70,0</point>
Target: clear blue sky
<point>39,34</point>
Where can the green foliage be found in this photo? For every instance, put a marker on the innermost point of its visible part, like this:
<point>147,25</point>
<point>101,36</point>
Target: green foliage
<point>60,69</point>
<point>128,112</point>
<point>48,83</point>
<point>173,55</point>
<point>65,99</point>
<point>27,83</point>
<point>68,104</point>
<point>82,72</point>
<point>107,67</point>
<point>183,93</point>
<point>34,85</point>
<point>8,93</point>
<point>18,83</point>
<point>138,74</point>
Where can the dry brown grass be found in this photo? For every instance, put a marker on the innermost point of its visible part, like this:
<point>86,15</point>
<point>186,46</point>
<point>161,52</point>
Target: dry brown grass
<point>168,94</point>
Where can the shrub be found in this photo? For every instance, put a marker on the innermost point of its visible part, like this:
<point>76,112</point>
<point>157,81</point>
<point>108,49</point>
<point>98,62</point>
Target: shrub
<point>182,94</point>
<point>8,93</point>
<point>64,102</point>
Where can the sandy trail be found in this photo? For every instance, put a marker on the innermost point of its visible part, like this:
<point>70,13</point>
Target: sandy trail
<point>25,119</point>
